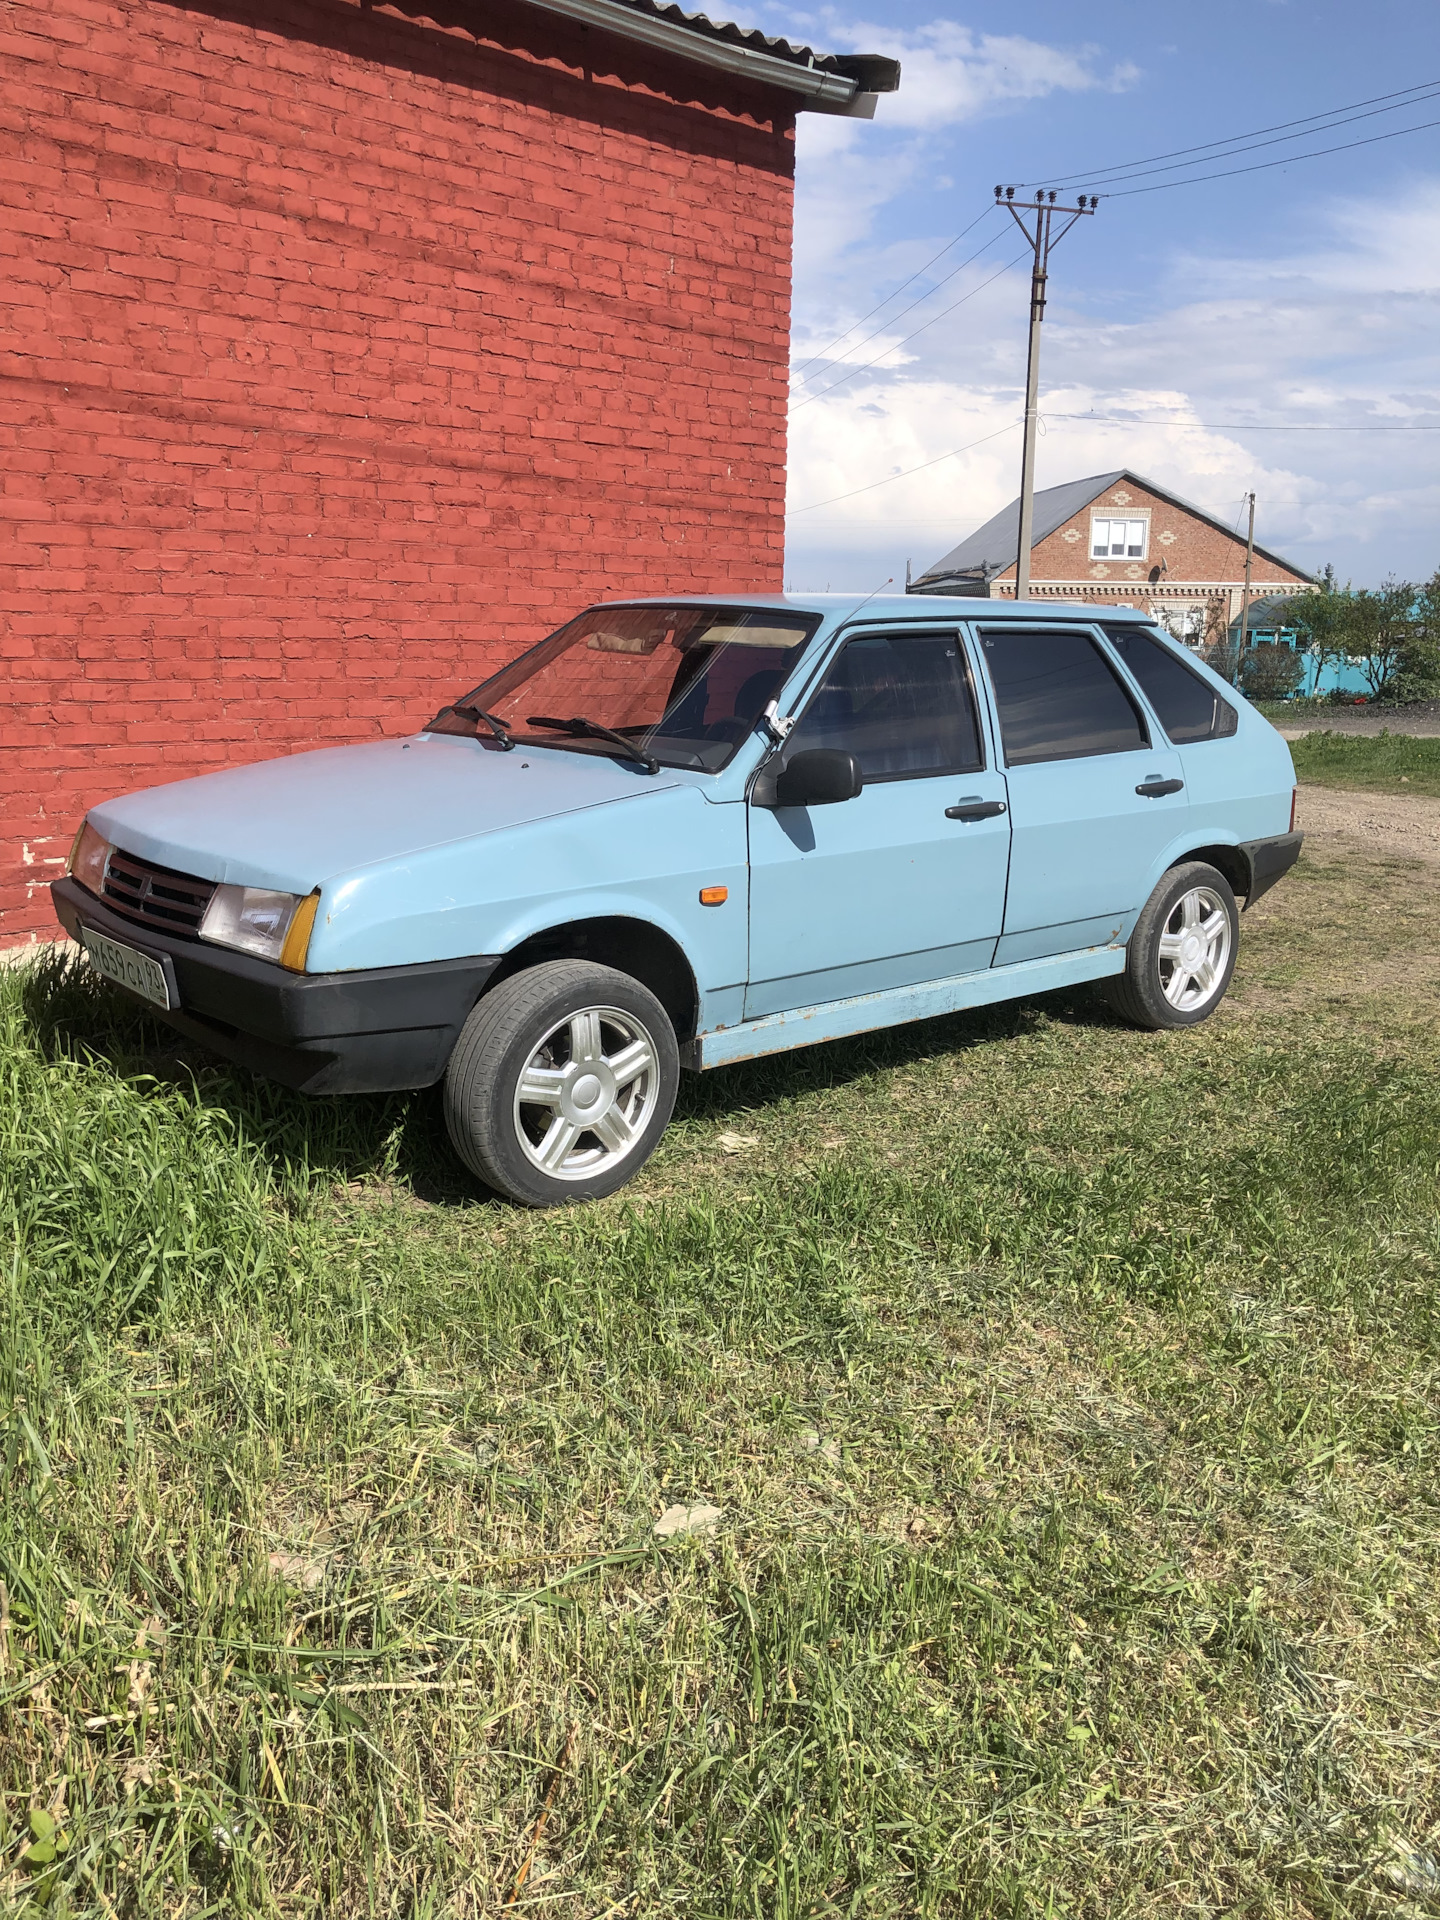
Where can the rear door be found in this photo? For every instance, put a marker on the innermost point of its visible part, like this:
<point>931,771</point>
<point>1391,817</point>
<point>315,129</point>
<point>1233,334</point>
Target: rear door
<point>905,882</point>
<point>1233,791</point>
<point>1094,801</point>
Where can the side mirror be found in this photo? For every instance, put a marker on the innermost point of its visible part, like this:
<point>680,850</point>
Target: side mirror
<point>818,779</point>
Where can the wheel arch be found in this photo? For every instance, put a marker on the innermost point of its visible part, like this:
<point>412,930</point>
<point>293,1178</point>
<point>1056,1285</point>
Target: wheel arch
<point>1230,860</point>
<point>637,947</point>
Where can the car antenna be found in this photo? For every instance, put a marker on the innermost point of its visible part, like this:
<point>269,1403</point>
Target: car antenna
<point>870,596</point>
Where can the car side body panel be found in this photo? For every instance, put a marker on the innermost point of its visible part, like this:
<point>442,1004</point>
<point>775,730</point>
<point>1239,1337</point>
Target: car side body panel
<point>636,859</point>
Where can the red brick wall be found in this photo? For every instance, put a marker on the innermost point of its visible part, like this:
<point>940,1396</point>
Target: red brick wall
<point>341,355</point>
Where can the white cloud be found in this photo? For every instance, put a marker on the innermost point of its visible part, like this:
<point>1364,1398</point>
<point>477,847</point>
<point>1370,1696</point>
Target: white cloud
<point>951,73</point>
<point>1340,332</point>
<point>846,170</point>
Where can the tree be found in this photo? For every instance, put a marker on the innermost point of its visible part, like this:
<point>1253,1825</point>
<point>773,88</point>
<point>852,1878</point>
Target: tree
<point>1271,672</point>
<point>1383,637</point>
<point>1324,621</point>
<point>1421,674</point>
<point>1391,633</point>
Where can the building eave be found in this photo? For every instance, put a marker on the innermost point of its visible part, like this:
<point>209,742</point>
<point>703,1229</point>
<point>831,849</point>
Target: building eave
<point>821,81</point>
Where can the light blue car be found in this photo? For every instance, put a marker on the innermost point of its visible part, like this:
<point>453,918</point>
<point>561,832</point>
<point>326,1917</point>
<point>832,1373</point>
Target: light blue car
<point>680,833</point>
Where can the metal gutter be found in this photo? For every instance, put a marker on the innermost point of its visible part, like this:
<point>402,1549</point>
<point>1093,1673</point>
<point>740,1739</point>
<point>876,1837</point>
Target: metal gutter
<point>829,92</point>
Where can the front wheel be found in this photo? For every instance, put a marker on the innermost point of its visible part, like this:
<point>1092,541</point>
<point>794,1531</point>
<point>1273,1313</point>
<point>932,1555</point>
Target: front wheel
<point>1182,953</point>
<point>561,1083</point>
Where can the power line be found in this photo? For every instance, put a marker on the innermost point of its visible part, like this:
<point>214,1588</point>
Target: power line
<point>954,451</point>
<point>1263,166</point>
<point>896,318</point>
<point>1213,426</point>
<point>895,346</point>
<point>826,350</point>
<point>1253,146</point>
<point>1237,143</point>
<point>1237,426</point>
<point>1231,140</point>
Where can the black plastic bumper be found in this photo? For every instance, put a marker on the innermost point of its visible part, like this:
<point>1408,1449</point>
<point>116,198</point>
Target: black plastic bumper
<point>1269,861</point>
<point>376,1031</point>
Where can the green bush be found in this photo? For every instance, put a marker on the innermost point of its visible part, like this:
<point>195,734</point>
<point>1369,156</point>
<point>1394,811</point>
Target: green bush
<point>1271,672</point>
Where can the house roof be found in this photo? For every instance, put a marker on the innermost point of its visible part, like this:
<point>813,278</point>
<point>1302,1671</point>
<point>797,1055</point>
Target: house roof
<point>829,82</point>
<point>1268,614</point>
<point>988,551</point>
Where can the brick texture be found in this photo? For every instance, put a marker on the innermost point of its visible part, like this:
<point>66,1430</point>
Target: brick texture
<point>341,355</point>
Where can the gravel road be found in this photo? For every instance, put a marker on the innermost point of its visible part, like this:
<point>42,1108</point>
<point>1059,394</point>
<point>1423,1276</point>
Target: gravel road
<point>1403,825</point>
<point>1419,717</point>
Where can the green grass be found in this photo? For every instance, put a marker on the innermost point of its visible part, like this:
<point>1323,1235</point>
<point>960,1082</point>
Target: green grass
<point>1071,1398</point>
<point>1382,763</point>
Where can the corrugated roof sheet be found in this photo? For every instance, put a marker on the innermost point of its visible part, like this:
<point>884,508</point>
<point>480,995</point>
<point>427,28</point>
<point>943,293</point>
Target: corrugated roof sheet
<point>992,547</point>
<point>1268,615</point>
<point>873,72</point>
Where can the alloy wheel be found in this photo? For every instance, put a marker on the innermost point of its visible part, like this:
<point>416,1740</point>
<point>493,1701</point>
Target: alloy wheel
<point>1194,949</point>
<point>586,1094</point>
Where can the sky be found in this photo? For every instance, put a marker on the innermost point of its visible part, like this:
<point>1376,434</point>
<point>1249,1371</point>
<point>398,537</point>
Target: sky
<point>1227,328</point>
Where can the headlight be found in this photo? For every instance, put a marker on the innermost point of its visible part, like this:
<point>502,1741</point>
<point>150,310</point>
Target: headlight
<point>271,925</point>
<point>89,857</point>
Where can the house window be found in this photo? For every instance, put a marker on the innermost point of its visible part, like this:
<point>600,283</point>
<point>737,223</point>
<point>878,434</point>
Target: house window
<point>1119,539</point>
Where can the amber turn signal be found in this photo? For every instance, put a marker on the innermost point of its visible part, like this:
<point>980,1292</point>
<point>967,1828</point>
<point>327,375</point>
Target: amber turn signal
<point>714,896</point>
<point>297,939</point>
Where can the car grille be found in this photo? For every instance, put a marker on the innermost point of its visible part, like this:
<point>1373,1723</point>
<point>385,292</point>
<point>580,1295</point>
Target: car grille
<point>155,896</point>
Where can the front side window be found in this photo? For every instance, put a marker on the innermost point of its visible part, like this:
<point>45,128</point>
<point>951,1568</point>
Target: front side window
<point>1119,539</point>
<point>1186,706</point>
<point>901,703</point>
<point>686,685</point>
<point>1057,695</point>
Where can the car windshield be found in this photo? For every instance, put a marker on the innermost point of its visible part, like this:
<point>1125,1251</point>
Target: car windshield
<point>685,684</point>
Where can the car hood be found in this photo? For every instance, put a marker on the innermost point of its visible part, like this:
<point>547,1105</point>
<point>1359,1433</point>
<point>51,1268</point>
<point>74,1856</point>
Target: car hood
<point>297,822</point>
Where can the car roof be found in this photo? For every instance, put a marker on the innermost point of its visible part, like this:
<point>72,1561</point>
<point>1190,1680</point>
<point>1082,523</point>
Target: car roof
<point>909,606</point>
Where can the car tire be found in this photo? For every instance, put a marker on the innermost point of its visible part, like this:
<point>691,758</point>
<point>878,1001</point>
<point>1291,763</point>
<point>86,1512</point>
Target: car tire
<point>544,1053</point>
<point>1182,952</point>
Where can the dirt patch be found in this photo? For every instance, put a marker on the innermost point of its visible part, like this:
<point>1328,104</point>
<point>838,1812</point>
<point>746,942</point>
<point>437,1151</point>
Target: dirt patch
<point>1406,826</point>
<point>1419,718</point>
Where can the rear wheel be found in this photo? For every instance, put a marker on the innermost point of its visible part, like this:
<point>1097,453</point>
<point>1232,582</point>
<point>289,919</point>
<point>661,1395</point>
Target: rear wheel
<point>1182,953</point>
<point>561,1083</point>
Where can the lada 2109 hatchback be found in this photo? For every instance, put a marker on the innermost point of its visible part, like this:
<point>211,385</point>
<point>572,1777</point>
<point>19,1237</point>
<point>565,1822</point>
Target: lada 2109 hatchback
<point>693,831</point>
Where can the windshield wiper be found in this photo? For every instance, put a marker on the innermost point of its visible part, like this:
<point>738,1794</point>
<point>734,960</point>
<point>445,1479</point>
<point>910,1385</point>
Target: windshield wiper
<point>592,730</point>
<point>479,713</point>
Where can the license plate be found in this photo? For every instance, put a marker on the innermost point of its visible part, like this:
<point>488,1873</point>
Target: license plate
<point>126,967</point>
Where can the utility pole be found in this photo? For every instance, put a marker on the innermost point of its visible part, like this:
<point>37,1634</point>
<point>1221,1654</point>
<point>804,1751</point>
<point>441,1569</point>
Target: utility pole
<point>1245,597</point>
<point>1041,240</point>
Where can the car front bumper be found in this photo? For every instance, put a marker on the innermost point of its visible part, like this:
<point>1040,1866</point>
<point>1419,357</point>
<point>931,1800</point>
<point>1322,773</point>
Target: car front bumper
<point>380,1030</point>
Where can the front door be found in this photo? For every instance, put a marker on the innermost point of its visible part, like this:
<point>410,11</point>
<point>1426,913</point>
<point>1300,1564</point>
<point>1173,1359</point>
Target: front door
<point>1094,804</point>
<point>885,890</point>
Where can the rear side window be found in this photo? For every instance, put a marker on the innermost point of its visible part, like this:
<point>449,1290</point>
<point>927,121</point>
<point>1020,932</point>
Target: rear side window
<point>1189,709</point>
<point>901,703</point>
<point>1058,696</point>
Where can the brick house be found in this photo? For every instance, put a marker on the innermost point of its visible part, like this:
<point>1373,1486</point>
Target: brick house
<point>1119,540</point>
<point>345,349</point>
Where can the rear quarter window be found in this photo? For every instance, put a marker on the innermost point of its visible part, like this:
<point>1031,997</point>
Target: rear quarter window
<point>1187,707</point>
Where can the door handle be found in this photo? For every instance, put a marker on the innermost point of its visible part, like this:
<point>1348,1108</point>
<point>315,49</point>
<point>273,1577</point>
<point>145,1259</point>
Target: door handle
<point>974,808</point>
<point>1155,789</point>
